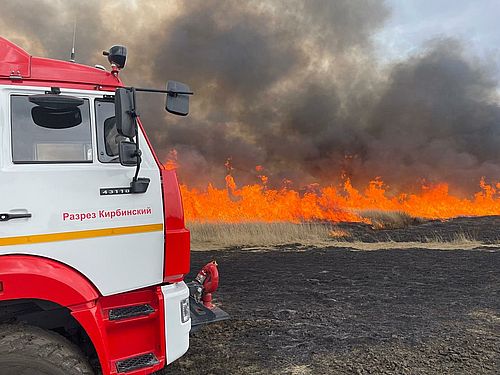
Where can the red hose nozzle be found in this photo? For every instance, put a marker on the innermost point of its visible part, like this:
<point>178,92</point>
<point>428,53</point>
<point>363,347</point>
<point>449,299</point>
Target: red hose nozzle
<point>208,277</point>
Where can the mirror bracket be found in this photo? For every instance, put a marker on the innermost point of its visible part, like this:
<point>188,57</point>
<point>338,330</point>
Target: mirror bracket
<point>139,185</point>
<point>54,90</point>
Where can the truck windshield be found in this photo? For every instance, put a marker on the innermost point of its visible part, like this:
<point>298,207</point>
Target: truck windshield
<point>108,138</point>
<point>44,136</point>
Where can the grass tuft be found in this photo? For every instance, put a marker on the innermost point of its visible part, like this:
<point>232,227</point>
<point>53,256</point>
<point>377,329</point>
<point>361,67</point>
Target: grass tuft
<point>336,232</point>
<point>389,219</point>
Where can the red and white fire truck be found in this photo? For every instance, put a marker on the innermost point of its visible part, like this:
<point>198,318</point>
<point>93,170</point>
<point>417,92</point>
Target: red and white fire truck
<point>93,246</point>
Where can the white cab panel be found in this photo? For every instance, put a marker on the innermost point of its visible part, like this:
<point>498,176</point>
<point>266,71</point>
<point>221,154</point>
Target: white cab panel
<point>111,263</point>
<point>54,192</point>
<point>176,332</point>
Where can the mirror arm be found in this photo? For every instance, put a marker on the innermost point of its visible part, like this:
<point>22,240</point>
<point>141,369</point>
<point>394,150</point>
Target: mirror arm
<point>138,185</point>
<point>138,152</point>
<point>169,92</point>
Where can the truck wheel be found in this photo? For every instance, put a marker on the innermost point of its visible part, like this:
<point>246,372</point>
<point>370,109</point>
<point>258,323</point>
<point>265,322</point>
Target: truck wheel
<point>29,350</point>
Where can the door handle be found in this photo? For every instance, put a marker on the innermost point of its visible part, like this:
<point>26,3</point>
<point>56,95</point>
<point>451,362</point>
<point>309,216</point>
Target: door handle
<point>7,216</point>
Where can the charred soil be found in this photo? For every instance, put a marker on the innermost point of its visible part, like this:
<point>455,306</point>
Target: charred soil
<point>299,310</point>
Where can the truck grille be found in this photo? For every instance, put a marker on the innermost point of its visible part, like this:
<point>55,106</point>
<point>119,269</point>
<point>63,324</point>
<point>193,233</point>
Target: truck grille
<point>134,363</point>
<point>130,312</point>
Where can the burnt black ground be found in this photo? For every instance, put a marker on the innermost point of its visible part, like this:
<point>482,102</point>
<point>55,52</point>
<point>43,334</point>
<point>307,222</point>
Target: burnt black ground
<point>337,311</point>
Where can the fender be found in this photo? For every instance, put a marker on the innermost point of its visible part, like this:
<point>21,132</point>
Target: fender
<point>27,276</point>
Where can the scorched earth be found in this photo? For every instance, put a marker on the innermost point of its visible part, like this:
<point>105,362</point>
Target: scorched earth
<point>299,310</point>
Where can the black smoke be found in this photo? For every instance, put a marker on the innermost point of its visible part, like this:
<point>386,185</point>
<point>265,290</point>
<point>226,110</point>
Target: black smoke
<point>293,85</point>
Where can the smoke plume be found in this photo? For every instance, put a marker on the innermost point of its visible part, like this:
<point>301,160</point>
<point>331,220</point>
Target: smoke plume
<point>293,85</point>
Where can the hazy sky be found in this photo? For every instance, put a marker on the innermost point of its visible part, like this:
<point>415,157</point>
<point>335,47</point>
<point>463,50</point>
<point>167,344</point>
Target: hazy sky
<point>413,22</point>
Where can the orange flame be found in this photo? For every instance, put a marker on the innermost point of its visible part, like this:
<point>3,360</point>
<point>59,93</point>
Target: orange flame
<point>252,203</point>
<point>172,160</point>
<point>263,178</point>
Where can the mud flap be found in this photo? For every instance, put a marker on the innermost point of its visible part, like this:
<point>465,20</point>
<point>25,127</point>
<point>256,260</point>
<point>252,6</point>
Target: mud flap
<point>200,315</point>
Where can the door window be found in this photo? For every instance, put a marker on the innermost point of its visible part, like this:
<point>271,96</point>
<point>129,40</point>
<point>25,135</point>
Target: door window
<point>108,139</point>
<point>45,135</point>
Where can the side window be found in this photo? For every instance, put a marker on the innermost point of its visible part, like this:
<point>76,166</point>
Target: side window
<point>108,138</point>
<point>42,135</point>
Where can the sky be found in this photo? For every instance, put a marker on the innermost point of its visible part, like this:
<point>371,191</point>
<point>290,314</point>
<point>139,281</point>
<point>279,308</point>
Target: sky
<point>410,25</point>
<point>413,22</point>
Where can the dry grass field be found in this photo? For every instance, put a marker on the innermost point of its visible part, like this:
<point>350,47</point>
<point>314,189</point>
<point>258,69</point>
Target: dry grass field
<point>379,228</point>
<point>206,236</point>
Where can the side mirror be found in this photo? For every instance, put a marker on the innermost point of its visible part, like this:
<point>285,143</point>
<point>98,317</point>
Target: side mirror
<point>177,98</point>
<point>125,112</point>
<point>128,154</point>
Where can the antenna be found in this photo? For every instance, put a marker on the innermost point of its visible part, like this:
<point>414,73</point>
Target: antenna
<point>72,55</point>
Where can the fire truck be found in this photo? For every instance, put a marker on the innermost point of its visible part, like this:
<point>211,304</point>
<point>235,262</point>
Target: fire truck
<point>93,247</point>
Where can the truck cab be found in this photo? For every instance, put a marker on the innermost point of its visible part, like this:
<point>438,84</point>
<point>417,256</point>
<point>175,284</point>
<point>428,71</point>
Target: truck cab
<point>85,259</point>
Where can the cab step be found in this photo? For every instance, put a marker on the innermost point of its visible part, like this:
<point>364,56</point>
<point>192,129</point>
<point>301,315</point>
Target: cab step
<point>128,312</point>
<point>135,363</point>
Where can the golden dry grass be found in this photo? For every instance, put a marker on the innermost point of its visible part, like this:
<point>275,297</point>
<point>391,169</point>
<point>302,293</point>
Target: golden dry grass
<point>460,241</point>
<point>298,370</point>
<point>221,235</point>
<point>210,236</point>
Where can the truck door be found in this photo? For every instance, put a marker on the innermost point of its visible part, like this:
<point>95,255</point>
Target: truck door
<point>65,196</point>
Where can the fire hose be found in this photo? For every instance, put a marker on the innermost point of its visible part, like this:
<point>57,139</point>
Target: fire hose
<point>208,279</point>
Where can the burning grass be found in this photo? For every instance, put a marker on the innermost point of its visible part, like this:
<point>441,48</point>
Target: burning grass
<point>259,203</point>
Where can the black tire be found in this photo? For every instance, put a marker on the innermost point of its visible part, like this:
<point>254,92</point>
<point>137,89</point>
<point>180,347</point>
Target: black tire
<point>28,350</point>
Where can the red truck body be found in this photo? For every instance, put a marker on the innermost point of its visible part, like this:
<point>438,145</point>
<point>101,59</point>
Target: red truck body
<point>55,287</point>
